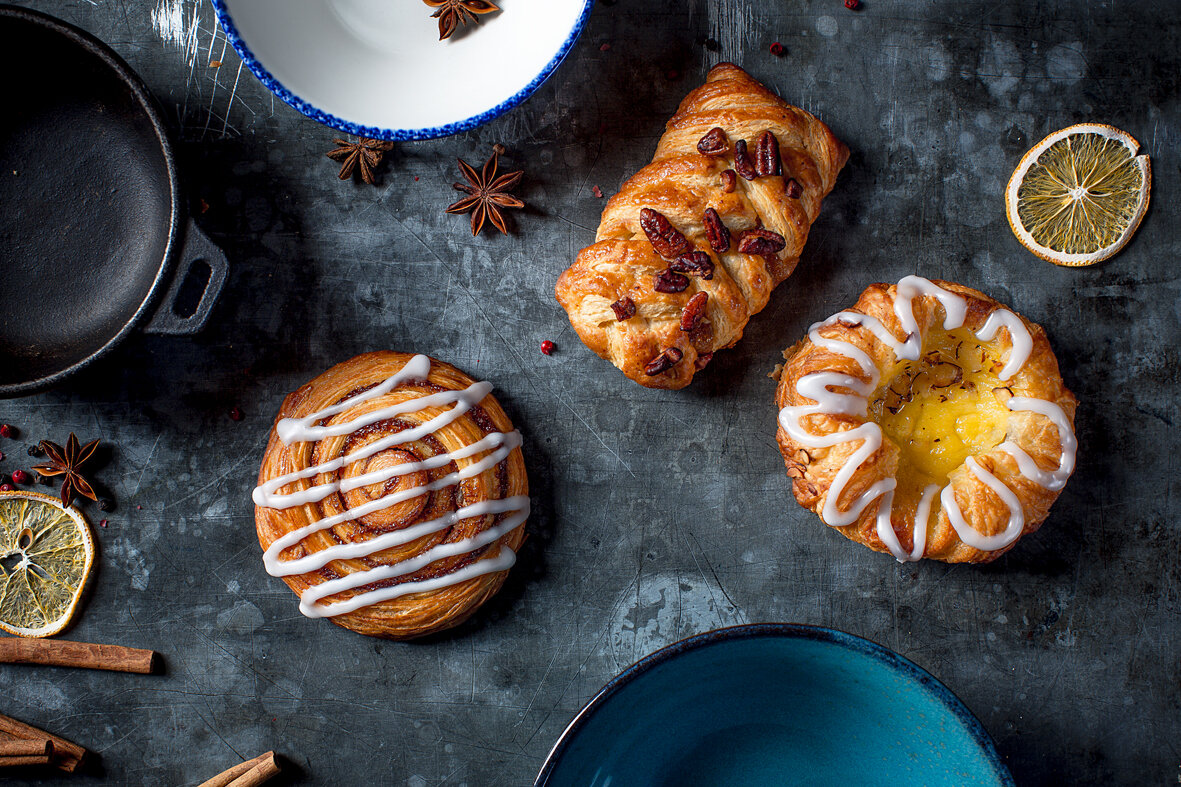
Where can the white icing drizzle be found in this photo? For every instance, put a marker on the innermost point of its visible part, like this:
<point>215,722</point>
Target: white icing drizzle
<point>1055,479</point>
<point>819,387</point>
<point>293,430</point>
<point>1018,336</point>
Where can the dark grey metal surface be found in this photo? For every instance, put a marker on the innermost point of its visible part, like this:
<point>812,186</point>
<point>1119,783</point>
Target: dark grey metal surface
<point>657,514</point>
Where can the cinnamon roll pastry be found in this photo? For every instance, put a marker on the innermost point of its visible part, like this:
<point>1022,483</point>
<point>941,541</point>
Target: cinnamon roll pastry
<point>392,495</point>
<point>927,421</point>
<point>693,243</point>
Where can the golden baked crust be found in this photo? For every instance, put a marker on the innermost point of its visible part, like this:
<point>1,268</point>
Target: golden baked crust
<point>955,396</point>
<point>682,183</point>
<point>416,613</point>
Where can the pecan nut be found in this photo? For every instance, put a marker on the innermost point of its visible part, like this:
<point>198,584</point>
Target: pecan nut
<point>696,263</point>
<point>761,241</point>
<point>742,161</point>
<point>767,154</point>
<point>715,230</point>
<point>669,281</point>
<point>694,311</point>
<point>714,143</point>
<point>624,308</point>
<point>664,237</point>
<point>663,362</point>
<point>729,181</point>
<point>794,189</point>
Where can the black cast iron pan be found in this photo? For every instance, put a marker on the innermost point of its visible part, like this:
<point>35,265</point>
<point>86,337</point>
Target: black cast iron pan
<point>94,239</point>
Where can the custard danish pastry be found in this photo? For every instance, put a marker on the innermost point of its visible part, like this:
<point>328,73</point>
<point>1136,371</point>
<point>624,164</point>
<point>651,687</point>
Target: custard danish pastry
<point>927,421</point>
<point>693,243</point>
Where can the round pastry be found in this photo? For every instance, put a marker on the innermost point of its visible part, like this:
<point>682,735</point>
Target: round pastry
<point>392,495</point>
<point>927,421</point>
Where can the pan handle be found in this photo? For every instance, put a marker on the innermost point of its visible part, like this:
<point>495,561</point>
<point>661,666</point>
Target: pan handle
<point>197,248</point>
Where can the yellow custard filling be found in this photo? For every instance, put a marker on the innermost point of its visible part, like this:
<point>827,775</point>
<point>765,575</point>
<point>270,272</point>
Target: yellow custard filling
<point>940,410</point>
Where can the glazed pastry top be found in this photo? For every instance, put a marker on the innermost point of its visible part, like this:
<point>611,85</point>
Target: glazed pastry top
<point>390,487</point>
<point>927,391</point>
<point>734,186</point>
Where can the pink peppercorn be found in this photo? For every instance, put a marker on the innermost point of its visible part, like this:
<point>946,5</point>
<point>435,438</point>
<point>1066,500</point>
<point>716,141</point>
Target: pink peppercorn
<point>852,5</point>
<point>20,477</point>
<point>5,487</point>
<point>7,430</point>
<point>778,49</point>
<point>547,347</point>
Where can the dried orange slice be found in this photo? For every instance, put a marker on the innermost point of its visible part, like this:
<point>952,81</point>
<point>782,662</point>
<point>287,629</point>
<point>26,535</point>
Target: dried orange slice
<point>46,554</point>
<point>1078,196</point>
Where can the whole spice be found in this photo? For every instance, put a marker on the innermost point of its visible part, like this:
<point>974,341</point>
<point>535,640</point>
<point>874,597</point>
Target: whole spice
<point>102,523</point>
<point>664,237</point>
<point>767,160</point>
<point>668,281</point>
<point>624,308</point>
<point>235,414</point>
<point>761,241</point>
<point>663,362</point>
<point>778,49</point>
<point>20,477</point>
<point>34,451</point>
<point>66,463</point>
<point>742,163</point>
<point>598,192</point>
<point>729,181</point>
<point>106,504</point>
<point>547,347</point>
<point>714,143</point>
<point>852,5</point>
<point>715,230</point>
<point>794,189</point>
<point>5,487</point>
<point>694,311</point>
<point>695,263</point>
<point>363,155</point>
<point>453,12</point>
<point>488,194</point>
<point>7,431</point>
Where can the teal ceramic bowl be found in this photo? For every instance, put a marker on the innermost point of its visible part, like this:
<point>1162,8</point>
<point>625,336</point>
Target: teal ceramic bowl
<point>774,704</point>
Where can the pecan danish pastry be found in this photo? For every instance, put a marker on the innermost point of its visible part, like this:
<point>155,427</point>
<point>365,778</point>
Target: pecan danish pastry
<point>392,495</point>
<point>693,243</point>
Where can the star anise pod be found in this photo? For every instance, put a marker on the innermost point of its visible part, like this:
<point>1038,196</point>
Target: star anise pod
<point>452,12</point>
<point>488,194</point>
<point>65,462</point>
<point>364,154</point>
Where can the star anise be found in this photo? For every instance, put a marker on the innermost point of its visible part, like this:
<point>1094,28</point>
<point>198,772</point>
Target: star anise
<point>65,462</point>
<point>364,154</point>
<point>489,194</point>
<point>452,12</point>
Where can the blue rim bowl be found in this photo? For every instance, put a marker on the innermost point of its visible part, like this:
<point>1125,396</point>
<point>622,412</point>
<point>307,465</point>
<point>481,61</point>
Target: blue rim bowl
<point>773,703</point>
<point>375,132</point>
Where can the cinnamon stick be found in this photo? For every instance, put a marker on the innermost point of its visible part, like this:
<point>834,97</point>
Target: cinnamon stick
<point>258,774</point>
<point>30,759</point>
<point>25,747</point>
<point>66,755</point>
<point>246,774</point>
<point>62,653</point>
<point>34,751</point>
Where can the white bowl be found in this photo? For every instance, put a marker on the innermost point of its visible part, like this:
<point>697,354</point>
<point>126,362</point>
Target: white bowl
<point>376,68</point>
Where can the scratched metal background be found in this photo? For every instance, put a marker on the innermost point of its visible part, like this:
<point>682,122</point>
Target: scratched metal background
<point>657,514</point>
